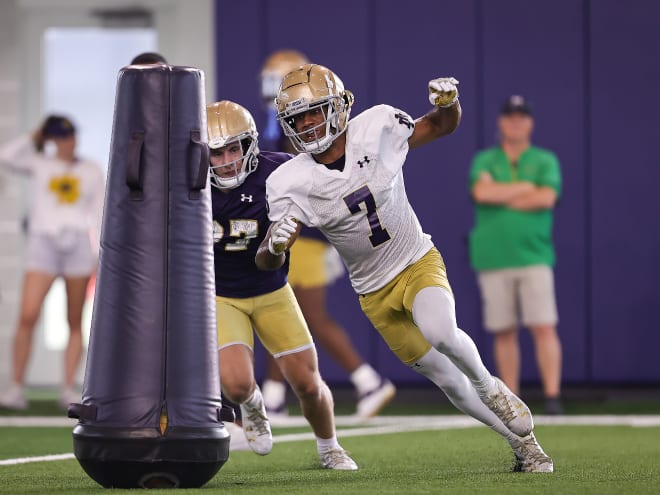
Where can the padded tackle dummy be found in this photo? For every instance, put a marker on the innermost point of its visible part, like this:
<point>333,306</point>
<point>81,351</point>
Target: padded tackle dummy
<point>150,412</point>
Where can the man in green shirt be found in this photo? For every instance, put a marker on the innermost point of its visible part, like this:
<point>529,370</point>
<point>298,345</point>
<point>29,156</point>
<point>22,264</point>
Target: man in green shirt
<point>515,187</point>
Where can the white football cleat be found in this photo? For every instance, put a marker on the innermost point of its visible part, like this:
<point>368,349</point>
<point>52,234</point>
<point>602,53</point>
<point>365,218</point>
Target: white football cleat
<point>371,403</point>
<point>14,398</point>
<point>257,428</point>
<point>530,457</point>
<point>337,459</point>
<point>507,406</point>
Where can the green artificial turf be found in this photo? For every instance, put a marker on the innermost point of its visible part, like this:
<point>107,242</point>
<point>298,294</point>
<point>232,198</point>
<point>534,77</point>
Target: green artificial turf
<point>597,460</point>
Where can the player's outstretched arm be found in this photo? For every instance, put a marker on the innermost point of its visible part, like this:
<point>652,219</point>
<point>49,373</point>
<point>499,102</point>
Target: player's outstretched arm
<point>281,235</point>
<point>445,116</point>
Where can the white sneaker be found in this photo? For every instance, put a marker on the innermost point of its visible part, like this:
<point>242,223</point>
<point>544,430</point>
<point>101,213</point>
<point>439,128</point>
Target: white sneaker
<point>337,459</point>
<point>67,396</point>
<point>530,457</point>
<point>513,412</point>
<point>371,403</point>
<point>257,428</point>
<point>237,440</point>
<point>14,398</point>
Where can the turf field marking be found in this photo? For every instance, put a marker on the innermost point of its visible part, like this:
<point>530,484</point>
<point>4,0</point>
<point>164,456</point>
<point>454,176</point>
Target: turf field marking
<point>418,423</point>
<point>37,421</point>
<point>43,458</point>
<point>380,425</point>
<point>434,422</point>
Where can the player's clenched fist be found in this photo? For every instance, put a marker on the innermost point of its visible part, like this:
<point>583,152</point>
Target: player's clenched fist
<point>281,235</point>
<point>443,91</point>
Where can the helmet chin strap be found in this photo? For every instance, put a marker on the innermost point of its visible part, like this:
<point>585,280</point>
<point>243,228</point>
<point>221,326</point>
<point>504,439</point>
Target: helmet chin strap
<point>232,182</point>
<point>319,147</point>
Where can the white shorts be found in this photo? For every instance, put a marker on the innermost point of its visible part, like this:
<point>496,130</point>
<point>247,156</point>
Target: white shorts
<point>512,295</point>
<point>68,254</point>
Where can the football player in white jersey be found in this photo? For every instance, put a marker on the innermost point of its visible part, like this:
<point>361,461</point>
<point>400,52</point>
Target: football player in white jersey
<point>314,266</point>
<point>347,181</point>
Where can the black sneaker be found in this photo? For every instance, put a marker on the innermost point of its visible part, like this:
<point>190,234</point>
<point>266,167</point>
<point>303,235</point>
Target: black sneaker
<point>553,406</point>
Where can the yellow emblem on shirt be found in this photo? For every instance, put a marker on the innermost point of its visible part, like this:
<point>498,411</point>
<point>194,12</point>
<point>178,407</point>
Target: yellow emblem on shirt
<point>66,188</point>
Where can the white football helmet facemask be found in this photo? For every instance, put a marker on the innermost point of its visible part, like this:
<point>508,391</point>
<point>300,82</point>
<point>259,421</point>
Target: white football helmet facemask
<point>313,87</point>
<point>229,123</point>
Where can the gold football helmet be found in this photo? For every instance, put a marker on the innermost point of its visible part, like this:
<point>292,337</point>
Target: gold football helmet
<point>310,87</point>
<point>276,66</point>
<point>227,123</point>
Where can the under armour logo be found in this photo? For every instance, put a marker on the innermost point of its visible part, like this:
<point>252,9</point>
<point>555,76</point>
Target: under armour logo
<point>246,197</point>
<point>364,161</point>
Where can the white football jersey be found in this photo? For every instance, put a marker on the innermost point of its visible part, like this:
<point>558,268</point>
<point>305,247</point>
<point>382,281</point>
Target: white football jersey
<point>363,210</point>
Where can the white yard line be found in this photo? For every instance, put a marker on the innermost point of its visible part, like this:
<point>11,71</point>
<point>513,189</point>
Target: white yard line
<point>37,421</point>
<point>376,426</point>
<point>43,458</point>
<point>434,422</point>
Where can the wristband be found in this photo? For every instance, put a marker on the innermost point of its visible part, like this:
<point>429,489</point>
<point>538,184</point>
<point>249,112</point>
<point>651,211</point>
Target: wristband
<point>271,249</point>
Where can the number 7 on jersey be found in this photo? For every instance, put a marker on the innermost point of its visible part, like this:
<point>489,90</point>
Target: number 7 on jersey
<point>378,235</point>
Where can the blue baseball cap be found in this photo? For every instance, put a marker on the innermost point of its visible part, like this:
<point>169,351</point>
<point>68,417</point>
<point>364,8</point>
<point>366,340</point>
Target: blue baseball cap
<point>58,126</point>
<point>516,104</point>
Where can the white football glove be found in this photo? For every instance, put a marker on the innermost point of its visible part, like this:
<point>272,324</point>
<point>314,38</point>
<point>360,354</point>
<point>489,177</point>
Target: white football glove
<point>443,92</point>
<point>280,235</point>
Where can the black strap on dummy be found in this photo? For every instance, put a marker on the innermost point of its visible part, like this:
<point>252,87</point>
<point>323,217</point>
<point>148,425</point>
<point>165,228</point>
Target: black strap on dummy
<point>199,176</point>
<point>134,166</point>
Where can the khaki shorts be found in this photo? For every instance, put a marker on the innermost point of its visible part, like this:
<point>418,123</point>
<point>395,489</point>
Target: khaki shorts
<point>313,264</point>
<point>512,295</point>
<point>68,254</point>
<point>275,317</point>
<point>390,309</point>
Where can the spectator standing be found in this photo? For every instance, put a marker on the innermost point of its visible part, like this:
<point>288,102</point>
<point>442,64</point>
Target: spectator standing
<point>63,230</point>
<point>515,187</point>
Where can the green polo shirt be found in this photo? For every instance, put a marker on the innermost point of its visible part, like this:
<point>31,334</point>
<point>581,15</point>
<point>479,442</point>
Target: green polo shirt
<point>506,238</point>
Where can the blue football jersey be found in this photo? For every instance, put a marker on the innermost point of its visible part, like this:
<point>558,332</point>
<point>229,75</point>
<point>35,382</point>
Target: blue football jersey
<point>240,223</point>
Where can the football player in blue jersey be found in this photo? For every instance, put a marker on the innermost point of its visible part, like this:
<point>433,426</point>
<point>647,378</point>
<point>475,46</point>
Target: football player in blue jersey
<point>249,300</point>
<point>347,181</point>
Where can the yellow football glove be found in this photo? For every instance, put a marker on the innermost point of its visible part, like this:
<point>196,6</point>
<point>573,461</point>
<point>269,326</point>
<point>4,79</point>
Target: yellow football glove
<point>443,92</point>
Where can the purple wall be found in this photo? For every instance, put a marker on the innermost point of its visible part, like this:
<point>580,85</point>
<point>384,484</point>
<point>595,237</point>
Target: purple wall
<point>591,70</point>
